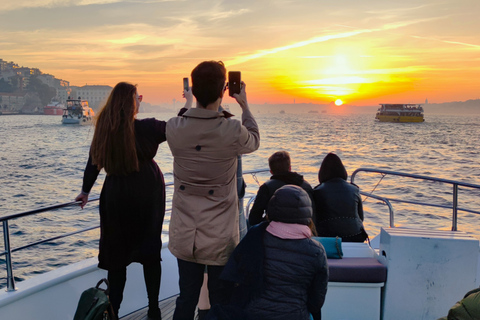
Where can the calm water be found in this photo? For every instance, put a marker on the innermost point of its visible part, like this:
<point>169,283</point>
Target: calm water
<point>42,164</point>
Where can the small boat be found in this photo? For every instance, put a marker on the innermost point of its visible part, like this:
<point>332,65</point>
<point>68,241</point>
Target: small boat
<point>400,113</point>
<point>282,111</point>
<point>313,111</point>
<point>77,112</point>
<point>54,108</point>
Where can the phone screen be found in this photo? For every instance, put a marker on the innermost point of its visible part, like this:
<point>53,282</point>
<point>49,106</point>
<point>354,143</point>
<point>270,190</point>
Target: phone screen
<point>185,84</point>
<point>234,79</point>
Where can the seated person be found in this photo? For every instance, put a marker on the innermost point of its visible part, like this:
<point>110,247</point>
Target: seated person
<point>339,210</point>
<point>277,271</point>
<point>280,168</point>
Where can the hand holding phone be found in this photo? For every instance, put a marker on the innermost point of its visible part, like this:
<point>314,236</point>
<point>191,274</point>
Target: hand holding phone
<point>234,82</point>
<point>185,84</point>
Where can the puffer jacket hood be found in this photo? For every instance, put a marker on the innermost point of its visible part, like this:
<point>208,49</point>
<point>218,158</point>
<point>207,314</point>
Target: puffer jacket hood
<point>290,204</point>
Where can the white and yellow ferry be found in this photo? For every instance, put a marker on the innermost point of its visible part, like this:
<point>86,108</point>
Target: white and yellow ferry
<point>400,113</point>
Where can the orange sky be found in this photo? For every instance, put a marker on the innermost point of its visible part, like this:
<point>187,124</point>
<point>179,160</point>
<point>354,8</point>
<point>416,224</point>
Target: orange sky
<point>362,52</point>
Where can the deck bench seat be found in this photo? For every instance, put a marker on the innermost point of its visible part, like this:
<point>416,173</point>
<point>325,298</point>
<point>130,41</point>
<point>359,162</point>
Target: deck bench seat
<point>356,270</point>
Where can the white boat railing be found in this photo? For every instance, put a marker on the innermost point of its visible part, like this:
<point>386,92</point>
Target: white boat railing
<point>387,200</point>
<point>6,233</point>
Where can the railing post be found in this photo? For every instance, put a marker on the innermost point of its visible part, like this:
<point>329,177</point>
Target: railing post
<point>455,206</point>
<point>8,257</point>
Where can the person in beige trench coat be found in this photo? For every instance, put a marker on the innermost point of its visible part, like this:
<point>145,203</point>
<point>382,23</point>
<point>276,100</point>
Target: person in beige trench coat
<point>205,144</point>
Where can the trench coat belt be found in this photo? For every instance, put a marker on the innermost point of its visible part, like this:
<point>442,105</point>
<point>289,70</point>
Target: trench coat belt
<point>203,190</point>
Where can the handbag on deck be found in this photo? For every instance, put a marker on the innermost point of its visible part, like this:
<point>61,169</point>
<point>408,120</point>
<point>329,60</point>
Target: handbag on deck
<point>332,245</point>
<point>94,304</point>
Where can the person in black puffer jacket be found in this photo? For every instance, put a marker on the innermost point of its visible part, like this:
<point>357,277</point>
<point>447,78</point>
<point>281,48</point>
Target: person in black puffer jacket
<point>280,168</point>
<point>338,206</point>
<point>277,271</point>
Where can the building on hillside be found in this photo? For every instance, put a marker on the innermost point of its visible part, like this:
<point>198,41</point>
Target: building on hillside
<point>63,93</point>
<point>12,102</point>
<point>95,94</point>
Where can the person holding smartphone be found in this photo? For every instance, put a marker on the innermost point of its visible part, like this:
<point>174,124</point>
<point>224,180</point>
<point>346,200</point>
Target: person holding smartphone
<point>132,201</point>
<point>205,145</point>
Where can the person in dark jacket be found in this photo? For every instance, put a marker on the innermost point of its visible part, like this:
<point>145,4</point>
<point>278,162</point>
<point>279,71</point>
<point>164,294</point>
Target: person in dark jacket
<point>132,201</point>
<point>339,210</point>
<point>281,170</point>
<point>277,271</point>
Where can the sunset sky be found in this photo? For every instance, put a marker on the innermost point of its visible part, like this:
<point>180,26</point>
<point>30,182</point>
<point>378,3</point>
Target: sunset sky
<point>362,52</point>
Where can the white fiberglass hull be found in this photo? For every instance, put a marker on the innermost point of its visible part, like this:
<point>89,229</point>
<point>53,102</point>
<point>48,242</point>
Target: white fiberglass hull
<point>54,295</point>
<point>82,121</point>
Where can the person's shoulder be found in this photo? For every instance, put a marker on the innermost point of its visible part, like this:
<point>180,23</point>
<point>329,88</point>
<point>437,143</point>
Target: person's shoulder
<point>315,246</point>
<point>319,187</point>
<point>145,122</point>
<point>306,186</point>
<point>352,186</point>
<point>174,120</point>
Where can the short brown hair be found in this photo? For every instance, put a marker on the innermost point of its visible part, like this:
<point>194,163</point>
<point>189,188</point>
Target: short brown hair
<point>279,162</point>
<point>208,81</point>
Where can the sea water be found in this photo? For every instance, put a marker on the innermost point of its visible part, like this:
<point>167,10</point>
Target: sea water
<point>42,164</point>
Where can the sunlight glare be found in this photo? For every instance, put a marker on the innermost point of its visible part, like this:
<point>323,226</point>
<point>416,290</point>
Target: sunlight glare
<point>338,102</point>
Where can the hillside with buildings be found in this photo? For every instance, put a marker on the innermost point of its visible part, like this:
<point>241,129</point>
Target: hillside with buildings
<point>28,90</point>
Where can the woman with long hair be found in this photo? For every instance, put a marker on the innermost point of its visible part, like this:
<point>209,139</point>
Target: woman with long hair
<point>132,200</point>
<point>338,206</point>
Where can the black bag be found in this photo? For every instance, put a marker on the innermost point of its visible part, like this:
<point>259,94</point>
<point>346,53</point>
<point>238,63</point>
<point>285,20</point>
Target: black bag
<point>94,304</point>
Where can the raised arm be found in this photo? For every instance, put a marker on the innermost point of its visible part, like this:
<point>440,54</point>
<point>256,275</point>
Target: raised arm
<point>250,136</point>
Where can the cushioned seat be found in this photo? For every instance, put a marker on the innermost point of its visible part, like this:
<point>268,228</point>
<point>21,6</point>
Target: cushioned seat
<point>360,270</point>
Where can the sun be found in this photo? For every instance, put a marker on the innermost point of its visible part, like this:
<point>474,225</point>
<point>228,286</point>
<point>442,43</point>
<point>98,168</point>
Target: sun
<point>338,102</point>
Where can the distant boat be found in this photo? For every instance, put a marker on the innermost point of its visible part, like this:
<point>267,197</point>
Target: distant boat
<point>324,111</point>
<point>282,111</point>
<point>53,108</point>
<point>77,112</point>
<point>313,111</point>
<point>400,113</point>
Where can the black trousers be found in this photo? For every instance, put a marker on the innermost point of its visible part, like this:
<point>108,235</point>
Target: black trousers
<point>117,278</point>
<point>191,281</point>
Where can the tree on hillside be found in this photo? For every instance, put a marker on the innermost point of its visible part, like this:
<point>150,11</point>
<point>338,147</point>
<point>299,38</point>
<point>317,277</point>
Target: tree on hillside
<point>5,86</point>
<point>44,91</point>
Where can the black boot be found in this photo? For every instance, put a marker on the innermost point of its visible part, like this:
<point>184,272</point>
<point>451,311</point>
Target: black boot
<point>201,314</point>
<point>116,280</point>
<point>152,274</point>
<point>154,313</point>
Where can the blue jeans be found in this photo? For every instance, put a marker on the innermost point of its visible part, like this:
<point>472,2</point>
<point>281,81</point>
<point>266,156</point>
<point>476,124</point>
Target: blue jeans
<point>190,282</point>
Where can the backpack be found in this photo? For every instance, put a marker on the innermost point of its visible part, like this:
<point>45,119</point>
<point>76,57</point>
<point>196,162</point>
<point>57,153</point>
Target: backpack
<point>94,304</point>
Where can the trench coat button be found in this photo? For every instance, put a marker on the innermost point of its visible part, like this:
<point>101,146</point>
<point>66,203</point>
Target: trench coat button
<point>198,148</point>
<point>210,192</point>
<point>182,187</point>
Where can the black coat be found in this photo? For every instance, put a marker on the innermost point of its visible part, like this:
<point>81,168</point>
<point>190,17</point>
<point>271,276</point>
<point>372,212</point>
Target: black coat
<point>132,207</point>
<point>278,278</point>
<point>339,210</point>
<point>266,191</point>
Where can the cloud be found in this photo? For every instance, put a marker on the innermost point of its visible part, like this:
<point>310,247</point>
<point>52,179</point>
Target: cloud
<point>328,37</point>
<point>21,4</point>
<point>476,46</point>
<point>143,49</point>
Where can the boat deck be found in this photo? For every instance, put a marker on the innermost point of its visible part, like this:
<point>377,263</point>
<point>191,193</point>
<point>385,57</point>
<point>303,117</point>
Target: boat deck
<point>167,307</point>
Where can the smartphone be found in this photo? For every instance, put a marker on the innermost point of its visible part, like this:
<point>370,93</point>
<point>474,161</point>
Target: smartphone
<point>234,79</point>
<point>185,84</point>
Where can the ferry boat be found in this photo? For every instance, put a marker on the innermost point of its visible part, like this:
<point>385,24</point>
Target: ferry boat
<point>77,112</point>
<point>402,273</point>
<point>400,113</point>
<point>54,108</point>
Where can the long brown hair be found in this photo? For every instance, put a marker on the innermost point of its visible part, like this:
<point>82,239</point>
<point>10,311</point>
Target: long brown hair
<point>113,145</point>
